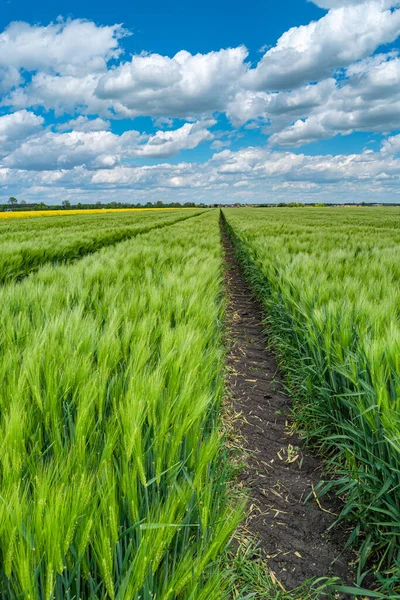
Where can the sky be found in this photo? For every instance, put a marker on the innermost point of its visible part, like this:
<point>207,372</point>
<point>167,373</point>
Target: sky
<point>200,102</point>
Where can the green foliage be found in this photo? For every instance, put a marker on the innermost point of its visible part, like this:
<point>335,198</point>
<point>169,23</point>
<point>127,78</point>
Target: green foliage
<point>26,245</point>
<point>329,279</point>
<point>113,482</point>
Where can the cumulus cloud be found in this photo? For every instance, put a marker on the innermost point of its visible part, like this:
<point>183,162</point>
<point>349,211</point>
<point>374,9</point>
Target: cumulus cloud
<point>292,83</point>
<point>181,86</point>
<point>17,127</point>
<point>9,78</point>
<point>61,93</point>
<point>167,143</point>
<point>300,133</point>
<point>279,107</point>
<point>319,80</point>
<point>249,174</point>
<point>391,145</point>
<point>368,100</point>
<point>94,148</point>
<point>69,47</point>
<point>65,59</point>
<point>262,164</point>
<point>82,123</point>
<point>310,52</point>
<point>65,151</point>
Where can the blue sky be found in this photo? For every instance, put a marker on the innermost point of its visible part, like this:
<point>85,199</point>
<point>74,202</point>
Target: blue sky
<point>211,102</point>
<point>167,27</point>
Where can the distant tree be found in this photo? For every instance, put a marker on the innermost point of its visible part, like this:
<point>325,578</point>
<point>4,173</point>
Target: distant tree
<point>66,204</point>
<point>22,202</point>
<point>12,201</point>
<point>40,206</point>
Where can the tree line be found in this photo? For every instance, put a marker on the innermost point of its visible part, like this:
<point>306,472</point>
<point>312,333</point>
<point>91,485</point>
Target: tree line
<point>15,204</point>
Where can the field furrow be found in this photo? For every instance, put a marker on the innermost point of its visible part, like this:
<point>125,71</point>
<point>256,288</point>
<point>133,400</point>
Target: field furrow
<point>279,472</point>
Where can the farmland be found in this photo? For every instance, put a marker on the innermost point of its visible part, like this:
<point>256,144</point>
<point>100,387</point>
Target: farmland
<point>110,474</point>
<point>329,282</point>
<point>23,214</point>
<point>25,246</point>
<point>115,477</point>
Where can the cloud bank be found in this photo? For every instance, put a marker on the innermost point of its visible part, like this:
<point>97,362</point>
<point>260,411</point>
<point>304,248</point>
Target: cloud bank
<point>65,86</point>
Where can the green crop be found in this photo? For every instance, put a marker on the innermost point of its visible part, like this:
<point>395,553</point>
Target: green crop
<point>330,282</point>
<point>113,482</point>
<point>26,244</point>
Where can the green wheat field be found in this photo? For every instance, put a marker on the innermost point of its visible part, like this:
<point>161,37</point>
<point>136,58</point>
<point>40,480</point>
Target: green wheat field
<point>115,478</point>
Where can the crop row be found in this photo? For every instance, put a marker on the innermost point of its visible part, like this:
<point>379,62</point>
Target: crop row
<point>23,251</point>
<point>112,480</point>
<point>330,283</point>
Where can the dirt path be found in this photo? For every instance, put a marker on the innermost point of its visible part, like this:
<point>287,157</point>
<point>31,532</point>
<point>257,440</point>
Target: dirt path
<point>278,474</point>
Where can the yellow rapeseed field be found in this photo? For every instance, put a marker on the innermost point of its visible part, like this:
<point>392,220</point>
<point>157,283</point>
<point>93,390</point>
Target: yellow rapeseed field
<point>55,213</point>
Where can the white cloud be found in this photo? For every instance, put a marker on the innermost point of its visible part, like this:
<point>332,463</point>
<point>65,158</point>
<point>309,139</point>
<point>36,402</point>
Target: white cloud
<point>163,122</point>
<point>9,78</point>
<point>368,100</point>
<point>319,80</point>
<point>82,123</point>
<point>182,86</point>
<point>73,47</point>
<point>149,85</point>
<point>337,3</point>
<point>391,145</point>
<point>61,93</point>
<point>310,52</point>
<point>365,166</point>
<point>65,151</point>
<point>96,149</point>
<point>17,127</point>
<point>278,106</point>
<point>219,144</point>
<point>300,133</point>
<point>168,143</point>
<point>74,78</point>
<point>251,174</point>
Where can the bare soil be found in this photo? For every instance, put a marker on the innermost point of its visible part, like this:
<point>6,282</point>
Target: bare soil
<point>279,472</point>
